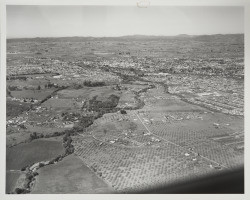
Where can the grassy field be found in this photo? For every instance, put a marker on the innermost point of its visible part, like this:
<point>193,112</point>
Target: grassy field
<point>59,103</point>
<point>87,92</point>
<point>11,178</point>
<point>38,150</point>
<point>127,100</point>
<point>36,94</point>
<point>69,176</point>
<point>15,108</point>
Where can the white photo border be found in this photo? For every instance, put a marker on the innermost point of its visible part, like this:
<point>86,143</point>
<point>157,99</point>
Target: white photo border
<point>4,3</point>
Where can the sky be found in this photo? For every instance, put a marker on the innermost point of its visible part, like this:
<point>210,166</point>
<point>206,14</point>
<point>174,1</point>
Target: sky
<point>105,21</point>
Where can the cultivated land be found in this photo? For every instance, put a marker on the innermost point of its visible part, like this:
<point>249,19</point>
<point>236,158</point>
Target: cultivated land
<point>107,115</point>
<point>69,176</point>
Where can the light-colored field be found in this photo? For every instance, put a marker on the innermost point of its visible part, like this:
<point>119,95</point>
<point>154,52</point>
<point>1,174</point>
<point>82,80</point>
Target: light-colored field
<point>59,103</point>
<point>69,176</point>
<point>127,100</point>
<point>15,136</point>
<point>87,92</point>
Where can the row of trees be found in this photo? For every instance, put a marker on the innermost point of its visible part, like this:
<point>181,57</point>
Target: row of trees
<point>94,84</point>
<point>69,148</point>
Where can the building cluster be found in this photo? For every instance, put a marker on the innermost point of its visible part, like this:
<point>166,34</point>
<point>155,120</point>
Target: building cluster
<point>221,94</point>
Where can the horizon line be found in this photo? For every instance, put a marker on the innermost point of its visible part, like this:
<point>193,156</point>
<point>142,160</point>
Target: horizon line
<point>134,35</point>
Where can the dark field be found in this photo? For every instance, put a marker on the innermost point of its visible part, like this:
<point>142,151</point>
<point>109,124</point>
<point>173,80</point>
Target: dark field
<point>15,108</point>
<point>26,154</point>
<point>11,178</point>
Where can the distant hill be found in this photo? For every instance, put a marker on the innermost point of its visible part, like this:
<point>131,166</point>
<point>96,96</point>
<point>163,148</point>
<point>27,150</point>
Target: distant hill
<point>199,37</point>
<point>214,38</point>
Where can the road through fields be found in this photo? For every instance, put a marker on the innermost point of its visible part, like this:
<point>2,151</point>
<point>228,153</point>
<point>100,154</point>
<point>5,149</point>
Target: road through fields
<point>223,166</point>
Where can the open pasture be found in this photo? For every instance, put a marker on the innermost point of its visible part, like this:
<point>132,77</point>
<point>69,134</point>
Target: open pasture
<point>135,87</point>
<point>87,92</point>
<point>15,136</point>
<point>32,94</point>
<point>59,103</point>
<point>127,100</point>
<point>15,108</point>
<point>69,176</point>
<point>38,150</point>
<point>75,98</point>
<point>11,179</point>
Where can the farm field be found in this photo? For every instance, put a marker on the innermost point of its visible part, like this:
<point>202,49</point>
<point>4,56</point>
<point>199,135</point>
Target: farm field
<point>144,144</point>
<point>39,95</point>
<point>35,151</point>
<point>14,108</point>
<point>69,176</point>
<point>11,179</point>
<point>159,110</point>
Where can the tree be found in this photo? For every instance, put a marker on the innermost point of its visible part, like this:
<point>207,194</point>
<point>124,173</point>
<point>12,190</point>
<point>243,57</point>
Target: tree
<point>123,112</point>
<point>33,136</point>
<point>19,190</point>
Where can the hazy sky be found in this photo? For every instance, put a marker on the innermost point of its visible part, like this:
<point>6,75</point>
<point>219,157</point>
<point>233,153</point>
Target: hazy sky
<point>58,21</point>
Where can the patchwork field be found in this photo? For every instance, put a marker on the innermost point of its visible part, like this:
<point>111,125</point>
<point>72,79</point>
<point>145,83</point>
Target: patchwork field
<point>159,110</point>
<point>135,169</point>
<point>167,153</point>
<point>166,137</point>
